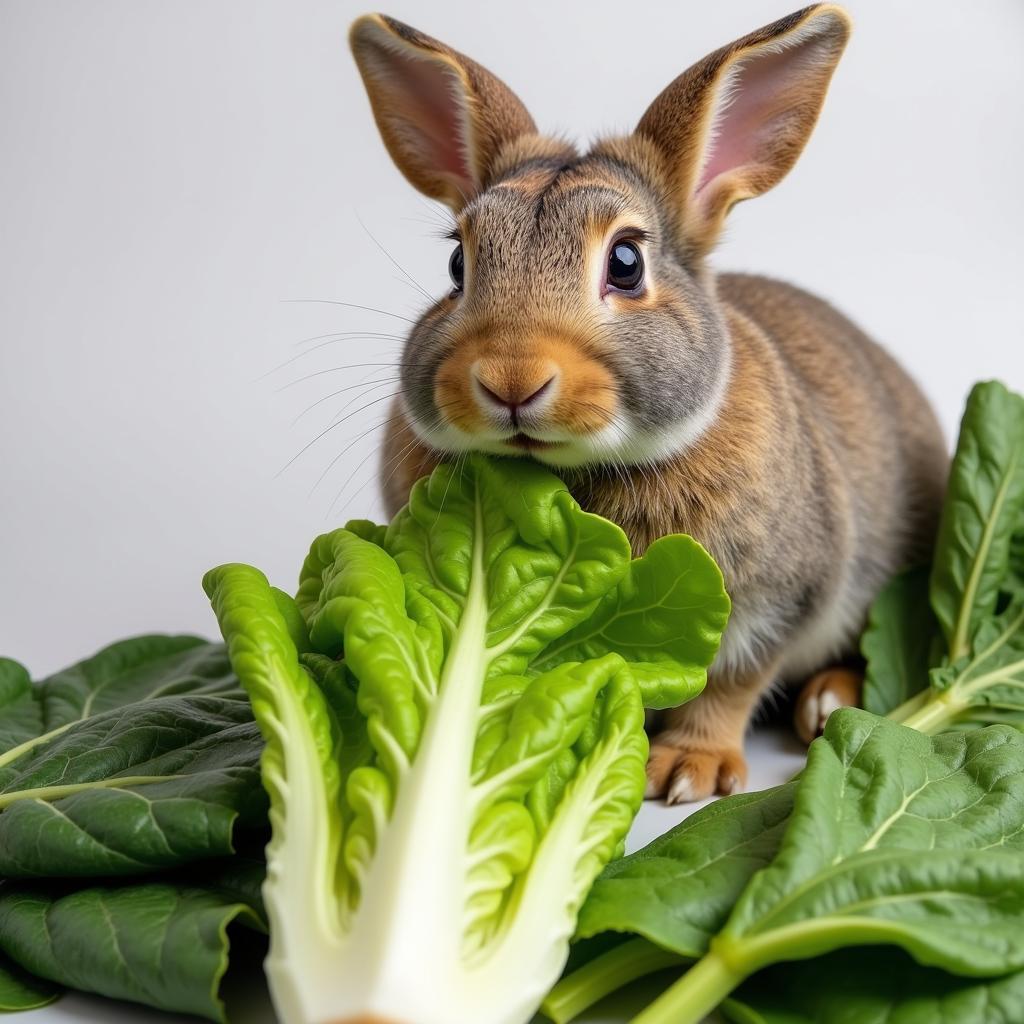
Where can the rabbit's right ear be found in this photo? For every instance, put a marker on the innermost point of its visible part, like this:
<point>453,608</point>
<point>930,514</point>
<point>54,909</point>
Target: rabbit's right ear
<point>734,124</point>
<point>442,116</point>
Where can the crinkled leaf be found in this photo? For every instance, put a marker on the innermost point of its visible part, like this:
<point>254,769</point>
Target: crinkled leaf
<point>873,986</point>
<point>983,511</point>
<point>441,622</point>
<point>164,944</point>
<point>898,642</point>
<point>665,617</point>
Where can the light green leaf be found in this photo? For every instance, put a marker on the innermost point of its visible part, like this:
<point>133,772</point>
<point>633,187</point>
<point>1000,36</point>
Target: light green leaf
<point>666,618</point>
<point>983,510</point>
<point>484,789</point>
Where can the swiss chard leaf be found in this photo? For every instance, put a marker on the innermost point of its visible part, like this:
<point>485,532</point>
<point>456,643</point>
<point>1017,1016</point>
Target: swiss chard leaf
<point>160,943</point>
<point>872,986</point>
<point>983,511</point>
<point>898,642</point>
<point>138,759</point>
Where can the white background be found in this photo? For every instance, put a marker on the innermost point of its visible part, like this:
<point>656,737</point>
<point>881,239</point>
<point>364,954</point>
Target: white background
<point>170,172</point>
<point>173,174</point>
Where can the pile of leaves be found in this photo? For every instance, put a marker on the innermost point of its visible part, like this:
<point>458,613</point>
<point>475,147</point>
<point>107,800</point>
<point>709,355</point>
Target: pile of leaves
<point>131,823</point>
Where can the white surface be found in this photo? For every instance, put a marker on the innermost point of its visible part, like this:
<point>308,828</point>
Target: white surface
<point>774,756</point>
<point>171,171</point>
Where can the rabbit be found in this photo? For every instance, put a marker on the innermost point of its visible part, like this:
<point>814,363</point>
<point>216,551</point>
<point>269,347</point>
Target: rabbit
<point>585,329</point>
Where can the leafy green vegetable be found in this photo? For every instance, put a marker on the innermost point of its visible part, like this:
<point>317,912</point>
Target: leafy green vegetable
<point>159,943</point>
<point>677,892</point>
<point>871,985</point>
<point>847,870</point>
<point>140,759</point>
<point>442,799</point>
<point>21,991</point>
<point>898,642</point>
<point>143,757</point>
<point>850,869</point>
<point>975,589</point>
<point>984,509</point>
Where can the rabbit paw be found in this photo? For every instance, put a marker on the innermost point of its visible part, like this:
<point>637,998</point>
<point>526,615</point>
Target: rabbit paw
<point>822,694</point>
<point>682,774</point>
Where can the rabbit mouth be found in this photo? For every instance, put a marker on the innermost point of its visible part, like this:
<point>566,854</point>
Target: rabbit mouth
<point>526,443</point>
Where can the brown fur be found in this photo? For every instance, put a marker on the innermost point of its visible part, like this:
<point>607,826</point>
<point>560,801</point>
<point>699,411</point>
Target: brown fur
<point>822,469</point>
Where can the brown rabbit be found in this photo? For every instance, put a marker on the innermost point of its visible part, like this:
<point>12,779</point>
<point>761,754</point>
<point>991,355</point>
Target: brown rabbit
<point>584,328</point>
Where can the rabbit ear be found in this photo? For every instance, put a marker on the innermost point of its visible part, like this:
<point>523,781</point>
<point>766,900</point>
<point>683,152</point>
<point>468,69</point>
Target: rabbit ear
<point>734,124</point>
<point>443,117</point>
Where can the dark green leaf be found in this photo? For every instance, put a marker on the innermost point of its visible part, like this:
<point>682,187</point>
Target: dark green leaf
<point>146,759</point>
<point>898,642</point>
<point>983,510</point>
<point>158,943</point>
<point>873,797</point>
<point>22,991</point>
<point>678,891</point>
<point>873,986</point>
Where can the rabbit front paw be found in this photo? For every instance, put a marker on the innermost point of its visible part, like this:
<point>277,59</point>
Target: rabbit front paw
<point>685,773</point>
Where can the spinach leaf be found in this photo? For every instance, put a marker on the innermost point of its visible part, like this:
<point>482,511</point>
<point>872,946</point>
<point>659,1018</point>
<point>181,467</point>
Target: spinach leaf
<point>21,991</point>
<point>871,986</point>
<point>983,511</point>
<point>898,642</point>
<point>678,890</point>
<point>850,869</point>
<point>161,943</point>
<point>140,758</point>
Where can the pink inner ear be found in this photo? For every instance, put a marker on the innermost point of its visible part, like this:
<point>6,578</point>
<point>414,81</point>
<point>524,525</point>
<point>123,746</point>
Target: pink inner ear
<point>753,104</point>
<point>434,116</point>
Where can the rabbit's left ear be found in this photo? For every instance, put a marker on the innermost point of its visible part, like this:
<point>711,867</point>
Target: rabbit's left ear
<point>734,124</point>
<point>442,116</point>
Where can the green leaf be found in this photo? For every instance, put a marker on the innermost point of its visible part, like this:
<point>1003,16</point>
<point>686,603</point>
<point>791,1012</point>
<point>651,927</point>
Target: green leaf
<point>983,510</point>
<point>666,618</point>
<point>142,758</point>
<point>454,779</point>
<point>158,943</point>
<point>895,838</point>
<point>678,890</point>
<point>126,672</point>
<point>21,991</point>
<point>872,986</point>
<point>898,642</point>
<point>136,790</point>
<point>874,794</point>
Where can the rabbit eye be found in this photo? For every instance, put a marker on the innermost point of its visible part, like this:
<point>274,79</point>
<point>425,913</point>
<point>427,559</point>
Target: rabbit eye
<point>457,267</point>
<point>625,266</point>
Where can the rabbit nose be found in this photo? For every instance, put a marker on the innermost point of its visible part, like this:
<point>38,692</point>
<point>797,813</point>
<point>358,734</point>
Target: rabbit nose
<point>513,396</point>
